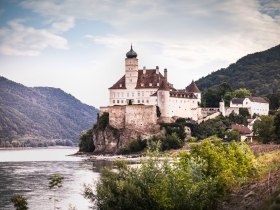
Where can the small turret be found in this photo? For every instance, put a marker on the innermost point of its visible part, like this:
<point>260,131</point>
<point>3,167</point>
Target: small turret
<point>163,98</point>
<point>222,107</point>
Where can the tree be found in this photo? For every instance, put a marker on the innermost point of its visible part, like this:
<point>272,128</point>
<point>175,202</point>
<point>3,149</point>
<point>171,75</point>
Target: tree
<point>20,202</point>
<point>274,100</point>
<point>232,135</point>
<point>223,89</point>
<point>264,128</point>
<point>211,98</point>
<point>244,112</point>
<point>86,142</point>
<point>277,126</point>
<point>55,182</point>
<point>241,93</point>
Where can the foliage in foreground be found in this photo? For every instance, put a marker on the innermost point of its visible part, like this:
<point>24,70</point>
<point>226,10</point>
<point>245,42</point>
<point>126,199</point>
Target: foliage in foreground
<point>196,180</point>
<point>20,202</point>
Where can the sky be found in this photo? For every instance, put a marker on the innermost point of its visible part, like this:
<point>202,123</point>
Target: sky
<point>80,45</point>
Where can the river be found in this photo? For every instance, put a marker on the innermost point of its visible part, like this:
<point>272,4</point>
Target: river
<point>26,171</point>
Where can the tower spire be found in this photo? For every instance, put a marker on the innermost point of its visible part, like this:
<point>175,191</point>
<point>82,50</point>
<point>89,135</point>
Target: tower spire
<point>131,53</point>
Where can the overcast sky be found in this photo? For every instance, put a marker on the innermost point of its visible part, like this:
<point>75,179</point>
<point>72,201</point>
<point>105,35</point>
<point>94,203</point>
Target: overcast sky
<point>80,45</point>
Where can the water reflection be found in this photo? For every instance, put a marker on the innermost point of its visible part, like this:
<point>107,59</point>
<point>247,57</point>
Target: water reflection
<point>29,177</point>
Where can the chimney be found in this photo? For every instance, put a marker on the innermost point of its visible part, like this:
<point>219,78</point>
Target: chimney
<point>157,69</point>
<point>144,70</point>
<point>165,74</point>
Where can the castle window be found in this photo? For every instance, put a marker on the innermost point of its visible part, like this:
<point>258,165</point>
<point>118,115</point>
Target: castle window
<point>118,95</point>
<point>122,94</point>
<point>150,84</point>
<point>138,101</point>
<point>130,80</point>
<point>118,101</point>
<point>138,93</point>
<point>143,93</point>
<point>113,101</point>
<point>132,94</point>
<point>127,94</point>
<point>147,101</point>
<point>113,95</point>
<point>142,101</point>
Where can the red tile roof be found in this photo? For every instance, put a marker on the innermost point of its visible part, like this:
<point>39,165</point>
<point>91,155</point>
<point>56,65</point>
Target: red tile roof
<point>182,94</point>
<point>193,88</point>
<point>164,86</point>
<point>241,128</point>
<point>151,79</point>
<point>258,99</point>
<point>119,84</point>
<point>237,100</point>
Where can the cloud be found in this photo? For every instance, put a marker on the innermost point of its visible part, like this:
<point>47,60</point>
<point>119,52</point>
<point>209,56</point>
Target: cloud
<point>184,29</point>
<point>18,40</point>
<point>109,40</point>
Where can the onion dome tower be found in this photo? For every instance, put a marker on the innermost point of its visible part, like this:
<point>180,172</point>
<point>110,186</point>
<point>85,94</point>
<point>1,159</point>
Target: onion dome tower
<point>131,53</point>
<point>131,69</point>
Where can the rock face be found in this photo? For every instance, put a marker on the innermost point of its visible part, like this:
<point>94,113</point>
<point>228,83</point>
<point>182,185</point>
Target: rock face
<point>118,125</point>
<point>110,140</point>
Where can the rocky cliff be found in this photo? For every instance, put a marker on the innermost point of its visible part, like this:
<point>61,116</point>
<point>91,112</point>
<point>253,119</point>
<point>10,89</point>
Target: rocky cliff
<point>109,140</point>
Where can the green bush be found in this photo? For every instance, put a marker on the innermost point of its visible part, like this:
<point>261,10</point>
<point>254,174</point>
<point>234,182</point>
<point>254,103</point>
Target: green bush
<point>232,135</point>
<point>172,142</point>
<point>197,180</point>
<point>86,142</point>
<point>177,128</point>
<point>103,121</point>
<point>20,202</point>
<point>134,146</point>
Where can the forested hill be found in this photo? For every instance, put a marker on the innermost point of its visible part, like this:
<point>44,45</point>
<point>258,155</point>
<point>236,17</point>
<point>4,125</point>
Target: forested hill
<point>41,113</point>
<point>258,72</point>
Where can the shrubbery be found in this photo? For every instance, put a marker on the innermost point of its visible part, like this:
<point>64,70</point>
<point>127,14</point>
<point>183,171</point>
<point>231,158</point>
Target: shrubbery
<point>86,142</point>
<point>171,142</point>
<point>197,180</point>
<point>133,146</point>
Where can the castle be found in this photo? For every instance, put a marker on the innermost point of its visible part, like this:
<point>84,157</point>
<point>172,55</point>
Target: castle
<point>150,87</point>
<point>143,97</point>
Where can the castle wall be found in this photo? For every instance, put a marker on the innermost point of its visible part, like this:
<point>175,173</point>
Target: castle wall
<point>136,117</point>
<point>117,116</point>
<point>139,117</point>
<point>229,110</point>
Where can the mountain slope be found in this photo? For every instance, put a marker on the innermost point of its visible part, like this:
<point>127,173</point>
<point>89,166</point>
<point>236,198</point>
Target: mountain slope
<point>41,112</point>
<point>258,72</point>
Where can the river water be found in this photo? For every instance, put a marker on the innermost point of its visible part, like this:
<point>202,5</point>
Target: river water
<point>26,171</point>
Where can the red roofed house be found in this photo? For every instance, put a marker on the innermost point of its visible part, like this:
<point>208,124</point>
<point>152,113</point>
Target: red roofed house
<point>150,87</point>
<point>245,132</point>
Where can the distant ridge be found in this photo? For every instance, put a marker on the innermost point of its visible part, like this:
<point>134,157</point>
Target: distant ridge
<point>259,72</point>
<point>41,112</point>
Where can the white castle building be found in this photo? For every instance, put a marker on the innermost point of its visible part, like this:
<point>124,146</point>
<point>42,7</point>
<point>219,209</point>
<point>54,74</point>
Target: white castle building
<point>150,87</point>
